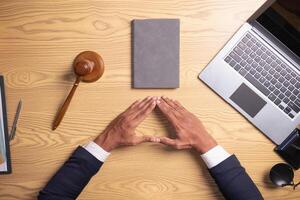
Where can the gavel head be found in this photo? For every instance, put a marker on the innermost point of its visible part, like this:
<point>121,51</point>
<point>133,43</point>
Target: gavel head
<point>84,67</point>
<point>89,66</point>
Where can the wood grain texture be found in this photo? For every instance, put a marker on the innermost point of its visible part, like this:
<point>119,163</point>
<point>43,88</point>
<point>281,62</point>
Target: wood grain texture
<point>38,42</point>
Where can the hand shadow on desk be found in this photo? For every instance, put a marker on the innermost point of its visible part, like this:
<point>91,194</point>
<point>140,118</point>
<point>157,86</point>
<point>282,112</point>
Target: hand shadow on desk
<point>202,167</point>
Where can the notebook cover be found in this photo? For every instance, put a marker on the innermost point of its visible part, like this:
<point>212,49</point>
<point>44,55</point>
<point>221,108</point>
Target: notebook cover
<point>155,56</point>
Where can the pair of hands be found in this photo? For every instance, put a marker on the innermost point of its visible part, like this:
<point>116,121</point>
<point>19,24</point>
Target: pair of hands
<point>190,133</point>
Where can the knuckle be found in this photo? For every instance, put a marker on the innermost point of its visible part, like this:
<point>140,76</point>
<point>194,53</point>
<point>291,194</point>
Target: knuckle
<point>126,125</point>
<point>140,105</point>
<point>125,121</point>
<point>133,104</point>
<point>181,118</point>
<point>140,115</point>
<point>122,117</point>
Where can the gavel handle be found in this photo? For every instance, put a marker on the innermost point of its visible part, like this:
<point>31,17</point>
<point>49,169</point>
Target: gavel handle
<point>64,108</point>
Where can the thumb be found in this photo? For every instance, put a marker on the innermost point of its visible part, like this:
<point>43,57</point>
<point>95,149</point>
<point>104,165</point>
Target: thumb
<point>168,141</point>
<point>175,143</point>
<point>145,138</point>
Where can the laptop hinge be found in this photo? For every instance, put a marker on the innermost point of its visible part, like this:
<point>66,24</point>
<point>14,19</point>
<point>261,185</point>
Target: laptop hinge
<point>276,44</point>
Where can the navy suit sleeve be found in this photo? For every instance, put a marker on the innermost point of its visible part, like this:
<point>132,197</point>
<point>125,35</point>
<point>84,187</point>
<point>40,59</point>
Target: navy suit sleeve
<point>72,177</point>
<point>233,181</point>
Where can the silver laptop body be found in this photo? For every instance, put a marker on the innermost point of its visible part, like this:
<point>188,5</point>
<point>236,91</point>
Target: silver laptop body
<point>255,90</point>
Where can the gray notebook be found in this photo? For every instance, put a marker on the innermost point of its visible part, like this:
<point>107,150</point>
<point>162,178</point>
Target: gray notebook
<point>155,51</point>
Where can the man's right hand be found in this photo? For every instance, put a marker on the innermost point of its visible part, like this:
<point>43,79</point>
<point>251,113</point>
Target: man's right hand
<point>121,131</point>
<point>190,132</point>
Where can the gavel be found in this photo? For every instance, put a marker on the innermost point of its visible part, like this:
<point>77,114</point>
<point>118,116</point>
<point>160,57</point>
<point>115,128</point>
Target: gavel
<point>88,67</point>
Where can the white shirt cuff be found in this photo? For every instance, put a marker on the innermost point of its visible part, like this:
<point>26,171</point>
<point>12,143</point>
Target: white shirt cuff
<point>96,151</point>
<point>215,156</point>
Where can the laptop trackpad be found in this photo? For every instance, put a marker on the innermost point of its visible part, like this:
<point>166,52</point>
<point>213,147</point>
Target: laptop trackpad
<point>248,100</point>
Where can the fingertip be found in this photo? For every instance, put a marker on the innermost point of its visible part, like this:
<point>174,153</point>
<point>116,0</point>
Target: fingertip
<point>142,139</point>
<point>153,100</point>
<point>155,139</point>
<point>159,101</point>
<point>151,105</point>
<point>163,140</point>
<point>147,139</point>
<point>151,139</point>
<point>165,99</point>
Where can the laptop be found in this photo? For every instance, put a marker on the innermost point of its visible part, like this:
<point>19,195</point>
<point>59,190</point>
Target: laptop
<point>258,70</point>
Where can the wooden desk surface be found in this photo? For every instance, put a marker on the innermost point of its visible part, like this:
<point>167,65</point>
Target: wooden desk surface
<point>38,41</point>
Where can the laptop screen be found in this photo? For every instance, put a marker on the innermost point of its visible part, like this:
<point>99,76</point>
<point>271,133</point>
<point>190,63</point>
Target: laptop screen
<point>282,19</point>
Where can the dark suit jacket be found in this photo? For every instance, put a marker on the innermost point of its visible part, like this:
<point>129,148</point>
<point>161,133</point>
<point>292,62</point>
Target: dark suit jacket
<point>72,177</point>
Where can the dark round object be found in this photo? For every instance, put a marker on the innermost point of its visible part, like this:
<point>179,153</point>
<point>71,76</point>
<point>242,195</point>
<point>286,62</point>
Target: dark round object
<point>281,174</point>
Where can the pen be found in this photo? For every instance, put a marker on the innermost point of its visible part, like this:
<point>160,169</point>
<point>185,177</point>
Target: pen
<point>14,126</point>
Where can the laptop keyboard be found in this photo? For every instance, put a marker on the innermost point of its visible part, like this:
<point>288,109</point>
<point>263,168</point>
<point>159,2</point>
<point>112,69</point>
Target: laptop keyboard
<point>267,72</point>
